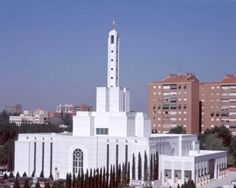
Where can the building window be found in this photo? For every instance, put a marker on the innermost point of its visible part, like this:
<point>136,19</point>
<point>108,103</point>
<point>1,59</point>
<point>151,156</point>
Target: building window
<point>111,77</point>
<point>111,59</point>
<point>102,131</point>
<point>78,159</point>
<point>111,68</point>
<point>112,39</point>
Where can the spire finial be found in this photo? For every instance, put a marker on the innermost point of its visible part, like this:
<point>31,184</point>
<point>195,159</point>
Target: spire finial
<point>113,25</point>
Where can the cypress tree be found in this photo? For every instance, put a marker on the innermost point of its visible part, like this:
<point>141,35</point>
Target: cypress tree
<point>111,178</point>
<point>139,167</point>
<point>107,178</point>
<point>26,184</point>
<point>128,173</point>
<point>151,168</point>
<point>91,179</point>
<point>86,180</point>
<point>24,174</point>
<point>133,167</point>
<point>145,167</point>
<point>104,177</point>
<point>41,174</point>
<point>96,178</point>
<point>156,161</point>
<point>33,174</point>
<point>16,184</point>
<point>82,179</point>
<point>100,178</point>
<point>50,176</point>
<point>74,181</point>
<point>11,175</point>
<point>37,185</point>
<point>5,176</point>
<point>68,180</point>
<point>17,175</point>
<point>114,177</point>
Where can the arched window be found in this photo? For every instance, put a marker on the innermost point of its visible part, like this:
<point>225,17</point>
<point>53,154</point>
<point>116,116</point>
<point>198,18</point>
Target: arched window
<point>78,159</point>
<point>112,39</point>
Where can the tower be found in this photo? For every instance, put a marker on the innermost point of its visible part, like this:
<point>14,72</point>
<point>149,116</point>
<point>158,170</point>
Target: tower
<point>113,98</point>
<point>113,57</point>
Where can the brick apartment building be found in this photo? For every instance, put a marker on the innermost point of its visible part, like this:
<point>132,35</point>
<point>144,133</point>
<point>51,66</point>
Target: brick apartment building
<point>175,102</point>
<point>218,103</point>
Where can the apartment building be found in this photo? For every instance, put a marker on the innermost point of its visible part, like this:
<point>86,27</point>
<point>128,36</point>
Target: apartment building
<point>174,102</point>
<point>218,103</point>
<point>72,108</point>
<point>13,109</point>
<point>37,116</point>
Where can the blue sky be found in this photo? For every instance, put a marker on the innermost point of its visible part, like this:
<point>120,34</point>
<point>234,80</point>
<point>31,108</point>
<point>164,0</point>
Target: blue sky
<point>55,51</point>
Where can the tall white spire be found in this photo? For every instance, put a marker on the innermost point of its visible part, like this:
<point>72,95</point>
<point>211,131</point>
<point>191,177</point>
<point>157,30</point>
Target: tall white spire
<point>113,57</point>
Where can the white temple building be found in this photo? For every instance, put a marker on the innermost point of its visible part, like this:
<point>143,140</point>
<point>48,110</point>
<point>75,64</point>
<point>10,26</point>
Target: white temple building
<point>112,135</point>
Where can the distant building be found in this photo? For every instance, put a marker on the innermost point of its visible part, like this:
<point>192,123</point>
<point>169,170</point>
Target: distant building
<point>72,108</point>
<point>13,109</point>
<point>174,102</point>
<point>218,103</point>
<point>38,116</point>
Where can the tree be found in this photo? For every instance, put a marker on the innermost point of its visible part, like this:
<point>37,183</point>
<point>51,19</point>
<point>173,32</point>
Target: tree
<point>145,167</point>
<point>68,180</point>
<point>139,167</point>
<point>24,174</point>
<point>128,173</point>
<point>5,176</point>
<point>232,151</point>
<point>41,174</point>
<point>177,130</point>
<point>156,166</point>
<point>11,175</point>
<point>151,167</point>
<point>133,167</point>
<point>16,184</point>
<point>37,185</point>
<point>213,142</point>
<point>17,175</point>
<point>26,184</point>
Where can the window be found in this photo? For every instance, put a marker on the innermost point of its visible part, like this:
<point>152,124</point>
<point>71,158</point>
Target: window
<point>111,77</point>
<point>111,59</point>
<point>112,39</point>
<point>111,68</point>
<point>78,159</point>
<point>102,131</point>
